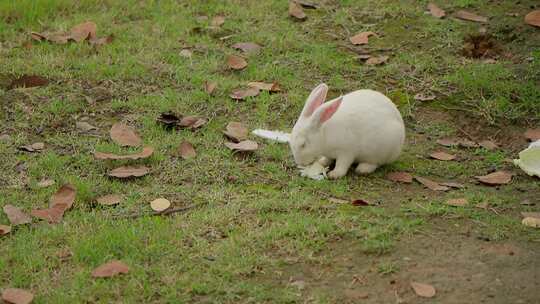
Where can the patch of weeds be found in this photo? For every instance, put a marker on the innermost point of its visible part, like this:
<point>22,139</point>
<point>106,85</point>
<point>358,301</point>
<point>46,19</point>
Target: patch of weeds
<point>386,268</point>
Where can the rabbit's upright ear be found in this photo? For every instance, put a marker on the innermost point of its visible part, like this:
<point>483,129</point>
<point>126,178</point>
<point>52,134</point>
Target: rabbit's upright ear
<point>315,100</point>
<point>325,112</point>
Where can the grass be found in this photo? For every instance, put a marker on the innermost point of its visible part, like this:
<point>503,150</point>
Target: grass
<point>256,214</point>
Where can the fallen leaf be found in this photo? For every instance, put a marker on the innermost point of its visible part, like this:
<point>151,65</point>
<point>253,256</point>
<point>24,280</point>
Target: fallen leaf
<point>55,37</point>
<point>4,229</point>
<point>496,178</point>
<point>97,42</point>
<point>466,143</point>
<point>236,62</point>
<point>109,199</point>
<point>263,86</point>
<point>531,222</point>
<point>424,97</point>
<point>16,216</point>
<point>64,196</point>
<point>488,145</point>
<point>192,122</point>
<point>236,131</point>
<point>296,11</point>
<point>457,202</point>
<point>28,81</point>
<point>436,11</point>
<point>401,177</point>
<point>241,94</point>
<point>431,184</point>
<point>361,38</point>
<point>210,87</point>
<point>452,185</point>
<point>35,147</point>
<point>186,150</point>
<point>440,155</point>
<point>531,214</point>
<point>168,119</point>
<point>110,269</point>
<point>83,31</point>
<point>243,146</point>
<point>532,134</point>
<point>160,204</point>
<point>423,290</point>
<point>46,182</point>
<point>533,18</point>
<point>17,296</point>
<point>447,142</point>
<point>218,21</point>
<point>52,214</point>
<point>125,135</point>
<point>377,60</point>
<point>186,53</point>
<point>360,202</point>
<point>464,15</point>
<point>145,153</point>
<point>84,126</point>
<point>306,4</point>
<point>247,47</point>
<point>129,171</point>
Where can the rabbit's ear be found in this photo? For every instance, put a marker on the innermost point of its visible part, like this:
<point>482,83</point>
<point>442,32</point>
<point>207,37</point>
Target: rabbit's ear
<point>315,100</point>
<point>326,112</point>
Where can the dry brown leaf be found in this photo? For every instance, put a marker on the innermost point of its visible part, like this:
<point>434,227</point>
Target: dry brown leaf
<point>129,171</point>
<point>531,214</point>
<point>401,177</point>
<point>247,47</point>
<point>236,62</point>
<point>97,42</point>
<point>243,146</point>
<point>84,126</point>
<point>296,11</point>
<point>377,60</point>
<point>236,131</point>
<point>52,214</point>
<point>125,135</point>
<point>441,155</point>
<point>457,202</point>
<point>83,31</point>
<point>110,199</point>
<point>452,185</point>
<point>447,142</point>
<point>186,150</point>
<point>424,97</point>
<point>35,147</point>
<point>110,269</point>
<point>16,216</point>
<point>241,94</point>
<point>28,81</point>
<point>218,21</point>
<point>145,153</point>
<point>55,37</point>
<point>533,18</point>
<point>46,182</point>
<point>488,145</point>
<point>168,119</point>
<point>5,229</point>
<point>361,38</point>
<point>17,296</point>
<point>210,87</point>
<point>192,122</point>
<point>431,184</point>
<point>496,178</point>
<point>436,11</point>
<point>160,204</point>
<point>466,143</point>
<point>423,290</point>
<point>464,15</point>
<point>64,196</point>
<point>531,222</point>
<point>532,134</point>
<point>263,86</point>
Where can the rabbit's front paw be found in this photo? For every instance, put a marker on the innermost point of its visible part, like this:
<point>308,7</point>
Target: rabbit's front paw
<point>335,174</point>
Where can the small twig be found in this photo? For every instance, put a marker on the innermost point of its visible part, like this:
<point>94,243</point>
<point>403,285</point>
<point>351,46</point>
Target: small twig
<point>165,212</point>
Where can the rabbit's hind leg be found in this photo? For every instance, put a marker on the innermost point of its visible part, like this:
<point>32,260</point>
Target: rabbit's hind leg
<point>365,168</point>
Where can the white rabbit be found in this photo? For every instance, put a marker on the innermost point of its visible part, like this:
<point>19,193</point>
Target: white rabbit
<point>362,127</point>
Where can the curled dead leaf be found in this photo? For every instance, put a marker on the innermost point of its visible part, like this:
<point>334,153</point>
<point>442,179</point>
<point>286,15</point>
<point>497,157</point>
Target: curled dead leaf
<point>453,185</point>
<point>401,177</point>
<point>97,42</point>
<point>16,216</point>
<point>61,201</point>
<point>447,142</point>
<point>533,18</point>
<point>431,184</point>
<point>247,47</point>
<point>145,153</point>
<point>168,119</point>
<point>423,290</point>
<point>296,11</point>
<point>83,31</point>
<point>241,94</point>
<point>532,134</point>
<point>53,214</point>
<point>110,269</point>
<point>457,202</point>
<point>160,204</point>
<point>192,122</point>
<point>377,60</point>
<point>28,81</point>
<point>436,11</point>
<point>236,62</point>
<point>129,171</point>
<point>186,150</point>
<point>125,135</point>
<point>465,15</point>
<point>17,296</point>
<point>243,146</point>
<point>5,229</point>
<point>441,155</point>
<point>496,178</point>
<point>109,199</point>
<point>35,147</point>
<point>236,131</point>
<point>263,86</point>
<point>361,38</point>
<point>210,87</point>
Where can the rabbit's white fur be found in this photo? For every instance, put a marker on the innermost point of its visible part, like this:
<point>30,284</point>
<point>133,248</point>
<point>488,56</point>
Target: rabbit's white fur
<point>362,127</point>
